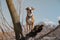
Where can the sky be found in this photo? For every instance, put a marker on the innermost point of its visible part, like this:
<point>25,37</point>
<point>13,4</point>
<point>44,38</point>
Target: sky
<point>45,10</point>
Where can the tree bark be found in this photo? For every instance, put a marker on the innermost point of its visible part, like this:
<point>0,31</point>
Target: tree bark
<point>15,19</point>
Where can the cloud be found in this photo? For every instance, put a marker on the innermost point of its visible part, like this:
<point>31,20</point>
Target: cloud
<point>47,21</point>
<point>59,18</point>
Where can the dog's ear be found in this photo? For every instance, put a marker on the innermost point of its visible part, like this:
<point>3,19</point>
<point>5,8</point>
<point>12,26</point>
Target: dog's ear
<point>32,8</point>
<point>29,8</point>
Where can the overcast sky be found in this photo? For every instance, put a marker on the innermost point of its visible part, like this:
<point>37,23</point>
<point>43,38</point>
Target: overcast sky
<point>45,10</point>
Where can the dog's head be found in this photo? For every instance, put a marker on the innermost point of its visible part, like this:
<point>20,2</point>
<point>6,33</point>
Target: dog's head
<point>29,10</point>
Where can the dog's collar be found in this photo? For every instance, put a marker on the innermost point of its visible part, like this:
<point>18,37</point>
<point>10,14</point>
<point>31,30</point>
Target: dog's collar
<point>30,15</point>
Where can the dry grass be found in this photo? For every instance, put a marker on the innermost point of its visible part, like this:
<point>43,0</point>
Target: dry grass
<point>7,36</point>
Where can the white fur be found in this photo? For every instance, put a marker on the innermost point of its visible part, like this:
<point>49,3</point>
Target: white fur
<point>29,20</point>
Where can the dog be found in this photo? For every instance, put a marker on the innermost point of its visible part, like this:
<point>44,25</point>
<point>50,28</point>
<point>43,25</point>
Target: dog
<point>30,18</point>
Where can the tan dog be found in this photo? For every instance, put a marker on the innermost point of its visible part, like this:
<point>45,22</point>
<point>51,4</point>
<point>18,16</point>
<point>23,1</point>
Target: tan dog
<point>30,19</point>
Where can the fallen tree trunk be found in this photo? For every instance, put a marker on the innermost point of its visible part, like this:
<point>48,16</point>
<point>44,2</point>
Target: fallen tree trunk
<point>33,33</point>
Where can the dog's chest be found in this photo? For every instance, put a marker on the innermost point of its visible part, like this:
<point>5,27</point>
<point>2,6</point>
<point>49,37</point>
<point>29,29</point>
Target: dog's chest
<point>29,20</point>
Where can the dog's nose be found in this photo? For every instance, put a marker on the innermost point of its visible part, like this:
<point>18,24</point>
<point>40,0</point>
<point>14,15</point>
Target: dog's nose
<point>31,11</point>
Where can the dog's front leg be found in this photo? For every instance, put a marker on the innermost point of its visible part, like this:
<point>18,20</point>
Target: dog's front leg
<point>27,28</point>
<point>33,26</point>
